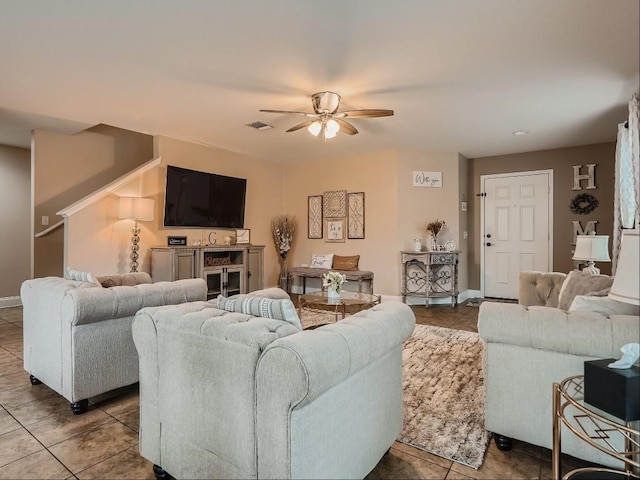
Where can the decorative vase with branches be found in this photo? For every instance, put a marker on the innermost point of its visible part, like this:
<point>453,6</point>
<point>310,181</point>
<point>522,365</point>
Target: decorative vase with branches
<point>283,228</point>
<point>434,229</point>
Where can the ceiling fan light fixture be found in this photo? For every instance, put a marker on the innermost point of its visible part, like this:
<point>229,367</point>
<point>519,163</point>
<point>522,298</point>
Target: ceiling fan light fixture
<point>325,102</point>
<point>314,128</point>
<point>329,134</point>
<point>332,127</point>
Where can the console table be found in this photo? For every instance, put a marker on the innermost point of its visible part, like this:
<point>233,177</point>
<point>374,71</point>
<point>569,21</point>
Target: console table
<point>430,275</point>
<point>228,270</point>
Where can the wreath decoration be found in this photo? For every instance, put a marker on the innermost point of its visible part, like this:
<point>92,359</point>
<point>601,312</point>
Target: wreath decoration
<point>583,204</point>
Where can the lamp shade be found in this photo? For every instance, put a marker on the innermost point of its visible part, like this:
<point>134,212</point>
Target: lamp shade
<point>136,208</point>
<point>593,248</point>
<point>626,286</point>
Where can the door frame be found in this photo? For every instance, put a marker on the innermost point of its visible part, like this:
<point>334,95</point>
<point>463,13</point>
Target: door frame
<point>483,178</point>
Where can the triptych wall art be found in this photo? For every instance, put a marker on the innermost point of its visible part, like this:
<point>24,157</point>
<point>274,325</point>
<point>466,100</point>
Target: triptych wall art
<point>335,216</point>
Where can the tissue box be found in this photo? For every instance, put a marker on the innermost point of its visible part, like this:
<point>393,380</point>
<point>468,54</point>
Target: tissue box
<point>613,390</point>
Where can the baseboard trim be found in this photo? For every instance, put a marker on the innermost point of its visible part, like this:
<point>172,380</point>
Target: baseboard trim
<point>6,302</point>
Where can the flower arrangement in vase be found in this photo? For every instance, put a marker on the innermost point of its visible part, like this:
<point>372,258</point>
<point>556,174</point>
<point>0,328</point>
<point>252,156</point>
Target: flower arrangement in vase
<point>333,281</point>
<point>434,229</point>
<point>283,228</point>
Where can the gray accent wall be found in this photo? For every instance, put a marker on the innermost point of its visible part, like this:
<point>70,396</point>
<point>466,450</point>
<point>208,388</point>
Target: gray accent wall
<point>561,161</point>
<point>15,219</point>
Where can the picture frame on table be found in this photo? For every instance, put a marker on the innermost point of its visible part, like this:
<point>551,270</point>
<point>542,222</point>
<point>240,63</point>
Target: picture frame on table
<point>243,236</point>
<point>335,229</point>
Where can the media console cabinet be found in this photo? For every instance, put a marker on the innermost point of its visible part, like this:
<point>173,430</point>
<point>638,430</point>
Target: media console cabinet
<point>227,270</point>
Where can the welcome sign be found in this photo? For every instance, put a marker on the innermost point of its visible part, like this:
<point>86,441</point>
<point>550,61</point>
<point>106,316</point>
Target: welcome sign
<point>427,179</point>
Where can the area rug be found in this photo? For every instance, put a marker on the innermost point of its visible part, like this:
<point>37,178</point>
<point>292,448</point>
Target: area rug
<point>311,319</point>
<point>443,386</point>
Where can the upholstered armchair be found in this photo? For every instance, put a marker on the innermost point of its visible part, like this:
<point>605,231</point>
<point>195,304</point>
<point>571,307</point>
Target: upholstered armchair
<point>77,335</point>
<point>547,337</point>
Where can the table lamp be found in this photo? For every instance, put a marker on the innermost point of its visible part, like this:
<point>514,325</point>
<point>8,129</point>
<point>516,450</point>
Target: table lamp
<point>592,248</point>
<point>136,208</point>
<point>626,286</point>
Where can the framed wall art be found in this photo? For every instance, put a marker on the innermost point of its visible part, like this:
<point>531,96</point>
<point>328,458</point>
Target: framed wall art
<point>355,215</point>
<point>335,204</point>
<point>314,216</point>
<point>335,228</point>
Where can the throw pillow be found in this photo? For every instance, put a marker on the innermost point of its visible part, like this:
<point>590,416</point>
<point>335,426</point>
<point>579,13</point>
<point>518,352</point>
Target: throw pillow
<point>82,277</point>
<point>261,307</point>
<point>345,263</point>
<point>581,283</point>
<point>321,260</point>
<point>604,305</point>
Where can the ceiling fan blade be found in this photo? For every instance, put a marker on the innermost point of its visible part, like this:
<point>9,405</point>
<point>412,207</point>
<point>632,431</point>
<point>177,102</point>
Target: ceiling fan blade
<point>301,125</point>
<point>346,127</point>
<point>306,114</point>
<point>366,113</point>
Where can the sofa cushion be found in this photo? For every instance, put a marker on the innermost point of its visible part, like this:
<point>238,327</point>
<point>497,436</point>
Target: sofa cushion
<point>321,260</point>
<point>604,305</point>
<point>345,262</point>
<point>281,309</point>
<point>82,277</point>
<point>274,293</point>
<point>582,283</point>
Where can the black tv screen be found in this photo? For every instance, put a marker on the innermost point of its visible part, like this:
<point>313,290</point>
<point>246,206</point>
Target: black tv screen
<point>200,199</point>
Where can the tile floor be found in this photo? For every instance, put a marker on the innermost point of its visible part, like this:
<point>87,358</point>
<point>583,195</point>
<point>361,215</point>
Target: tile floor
<point>40,437</point>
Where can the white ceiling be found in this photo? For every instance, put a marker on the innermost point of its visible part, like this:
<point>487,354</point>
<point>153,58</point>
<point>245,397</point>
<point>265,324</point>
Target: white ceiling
<point>461,75</point>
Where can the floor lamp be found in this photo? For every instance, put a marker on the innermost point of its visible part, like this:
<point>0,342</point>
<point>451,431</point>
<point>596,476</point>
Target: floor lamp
<point>136,209</point>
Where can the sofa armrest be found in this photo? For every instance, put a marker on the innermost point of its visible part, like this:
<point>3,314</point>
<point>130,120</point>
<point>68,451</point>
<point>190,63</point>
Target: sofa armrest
<point>544,328</point>
<point>540,288</point>
<point>89,305</point>
<point>326,356</point>
<point>332,369</point>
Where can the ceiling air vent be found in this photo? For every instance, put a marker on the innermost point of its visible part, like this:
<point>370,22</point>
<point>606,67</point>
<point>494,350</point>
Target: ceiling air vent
<point>259,125</point>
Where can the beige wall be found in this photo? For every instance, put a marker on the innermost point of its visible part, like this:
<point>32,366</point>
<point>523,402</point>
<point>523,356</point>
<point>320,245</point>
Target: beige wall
<point>561,162</point>
<point>100,242</point>
<point>66,168</point>
<point>264,198</point>
<point>15,218</point>
<point>395,211</point>
<point>417,206</point>
<point>374,174</point>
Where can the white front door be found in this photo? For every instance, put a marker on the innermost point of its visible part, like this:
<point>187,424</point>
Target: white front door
<point>516,229</point>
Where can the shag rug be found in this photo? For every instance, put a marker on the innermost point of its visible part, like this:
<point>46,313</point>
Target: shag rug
<point>443,386</point>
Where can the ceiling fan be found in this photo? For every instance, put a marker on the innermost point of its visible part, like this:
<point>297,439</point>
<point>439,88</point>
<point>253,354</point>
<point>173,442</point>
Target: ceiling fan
<point>327,120</point>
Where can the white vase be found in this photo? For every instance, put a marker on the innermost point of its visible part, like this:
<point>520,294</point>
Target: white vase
<point>333,295</point>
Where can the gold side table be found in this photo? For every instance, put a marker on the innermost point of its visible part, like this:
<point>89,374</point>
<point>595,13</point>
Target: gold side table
<point>570,410</point>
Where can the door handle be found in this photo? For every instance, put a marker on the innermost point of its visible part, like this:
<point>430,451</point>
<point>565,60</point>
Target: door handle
<point>488,244</point>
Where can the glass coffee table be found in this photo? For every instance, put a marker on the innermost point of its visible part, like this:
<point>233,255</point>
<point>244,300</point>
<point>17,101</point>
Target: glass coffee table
<point>321,301</point>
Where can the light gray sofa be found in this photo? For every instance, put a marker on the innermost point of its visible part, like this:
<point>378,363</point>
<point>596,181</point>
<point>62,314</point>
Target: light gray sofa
<point>228,395</point>
<point>529,347</point>
<point>77,335</point>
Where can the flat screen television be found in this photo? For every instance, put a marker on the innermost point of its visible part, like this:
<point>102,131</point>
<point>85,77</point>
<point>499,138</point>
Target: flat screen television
<point>200,199</point>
